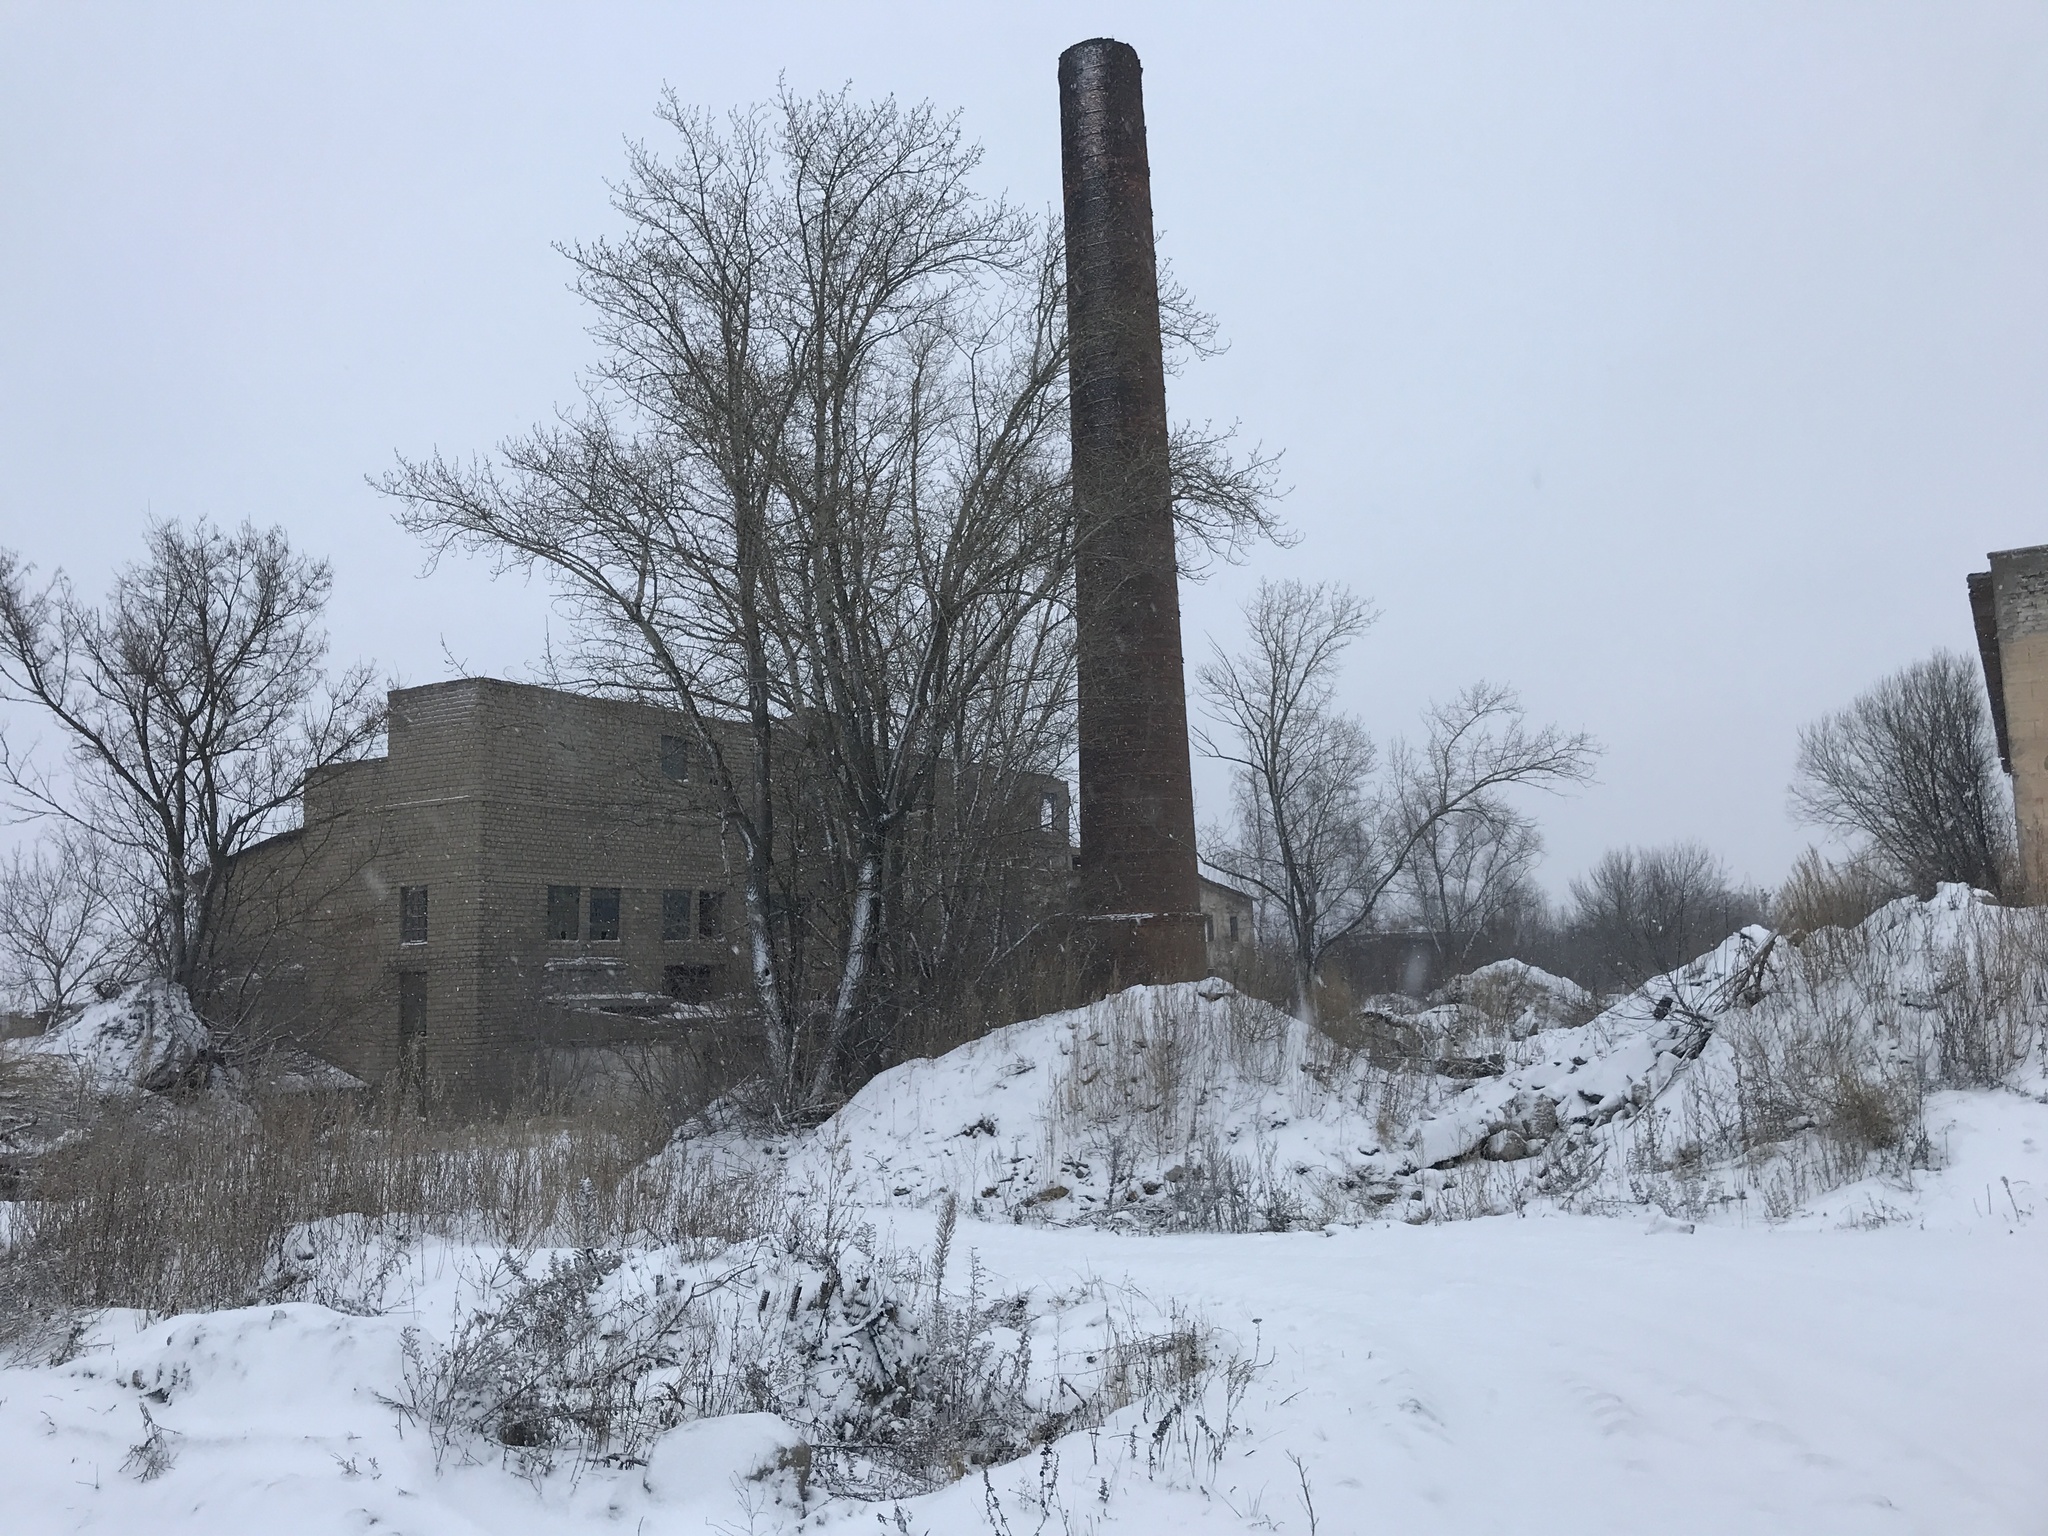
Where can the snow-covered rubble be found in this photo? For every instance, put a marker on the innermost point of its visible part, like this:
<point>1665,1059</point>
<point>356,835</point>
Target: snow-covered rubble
<point>145,1039</point>
<point>148,1039</point>
<point>1522,999</point>
<point>1619,1061</point>
<point>1193,1106</point>
<point>1186,1105</point>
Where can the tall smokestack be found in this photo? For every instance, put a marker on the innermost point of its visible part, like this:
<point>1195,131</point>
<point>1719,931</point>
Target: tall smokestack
<point>1139,881</point>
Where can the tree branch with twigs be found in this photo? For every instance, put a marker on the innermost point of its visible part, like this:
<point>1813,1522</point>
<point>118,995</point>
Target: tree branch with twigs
<point>191,705</point>
<point>1323,825</point>
<point>817,500</point>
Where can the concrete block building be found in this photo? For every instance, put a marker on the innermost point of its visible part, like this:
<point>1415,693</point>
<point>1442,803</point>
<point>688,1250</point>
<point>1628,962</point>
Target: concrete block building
<point>1227,936</point>
<point>2009,605</point>
<point>525,871</point>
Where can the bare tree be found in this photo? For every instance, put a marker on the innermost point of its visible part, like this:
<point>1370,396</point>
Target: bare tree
<point>1470,873</point>
<point>192,705</point>
<point>1911,768</point>
<point>819,492</point>
<point>1320,833</point>
<point>1641,912</point>
<point>60,929</point>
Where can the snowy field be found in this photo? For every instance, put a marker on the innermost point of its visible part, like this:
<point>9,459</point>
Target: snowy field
<point>1509,1373</point>
<point>1614,1319</point>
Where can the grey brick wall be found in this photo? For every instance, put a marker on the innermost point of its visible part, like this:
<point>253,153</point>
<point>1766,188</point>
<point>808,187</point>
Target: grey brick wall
<point>492,792</point>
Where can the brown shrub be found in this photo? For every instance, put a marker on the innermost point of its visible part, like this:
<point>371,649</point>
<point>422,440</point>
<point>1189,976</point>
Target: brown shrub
<point>172,1208</point>
<point>1821,894</point>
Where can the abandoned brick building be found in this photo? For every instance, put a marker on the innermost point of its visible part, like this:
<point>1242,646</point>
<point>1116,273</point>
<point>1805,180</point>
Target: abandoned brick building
<point>525,870</point>
<point>1227,914</point>
<point>2009,604</point>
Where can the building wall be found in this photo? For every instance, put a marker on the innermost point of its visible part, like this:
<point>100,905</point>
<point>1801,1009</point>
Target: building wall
<point>578,798</point>
<point>490,793</point>
<point>1226,926</point>
<point>370,830</point>
<point>2019,585</point>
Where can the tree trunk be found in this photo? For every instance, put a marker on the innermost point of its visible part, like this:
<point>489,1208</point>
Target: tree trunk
<point>852,975</point>
<point>1305,989</point>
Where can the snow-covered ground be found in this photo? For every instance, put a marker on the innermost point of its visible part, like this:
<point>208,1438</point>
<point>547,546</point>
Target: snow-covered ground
<point>1702,1304</point>
<point>1741,1086</point>
<point>1509,1373</point>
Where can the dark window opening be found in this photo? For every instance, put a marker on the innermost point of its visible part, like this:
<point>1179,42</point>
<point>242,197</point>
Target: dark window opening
<point>412,914</point>
<point>1233,927</point>
<point>565,912</point>
<point>412,1020</point>
<point>604,912</point>
<point>693,983</point>
<point>1208,929</point>
<point>675,915</point>
<point>711,914</point>
<point>675,759</point>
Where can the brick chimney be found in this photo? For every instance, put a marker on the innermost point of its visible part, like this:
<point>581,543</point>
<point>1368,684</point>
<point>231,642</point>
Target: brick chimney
<point>1139,885</point>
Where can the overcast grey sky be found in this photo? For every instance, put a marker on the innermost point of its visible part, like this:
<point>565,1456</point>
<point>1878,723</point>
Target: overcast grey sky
<point>1670,362</point>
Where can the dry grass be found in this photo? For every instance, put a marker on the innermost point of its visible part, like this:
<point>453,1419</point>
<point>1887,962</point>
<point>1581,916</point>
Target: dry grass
<point>1990,993</point>
<point>1153,1086</point>
<point>903,1385</point>
<point>1819,893</point>
<point>1829,1072</point>
<point>1146,1069</point>
<point>578,1354</point>
<point>181,1207</point>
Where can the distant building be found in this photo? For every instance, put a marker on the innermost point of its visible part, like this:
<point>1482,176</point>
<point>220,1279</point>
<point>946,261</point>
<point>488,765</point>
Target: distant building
<point>525,872</point>
<point>18,1026</point>
<point>1381,961</point>
<point>1226,926</point>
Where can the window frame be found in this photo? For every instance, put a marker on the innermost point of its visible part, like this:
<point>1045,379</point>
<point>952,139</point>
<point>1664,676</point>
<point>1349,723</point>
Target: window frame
<point>711,915</point>
<point>406,915</point>
<point>673,755</point>
<point>553,909</point>
<point>678,912</point>
<point>705,979</point>
<point>614,897</point>
<point>415,999</point>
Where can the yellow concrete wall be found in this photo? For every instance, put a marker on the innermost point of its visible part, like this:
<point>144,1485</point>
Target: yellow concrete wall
<point>2019,584</point>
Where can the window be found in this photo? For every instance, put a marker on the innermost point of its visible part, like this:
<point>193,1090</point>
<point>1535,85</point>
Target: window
<point>565,912</point>
<point>1048,812</point>
<point>604,912</point>
<point>693,983</point>
<point>1233,927</point>
<point>675,759</point>
<point>675,915</point>
<point>1208,929</point>
<point>412,914</point>
<point>711,914</point>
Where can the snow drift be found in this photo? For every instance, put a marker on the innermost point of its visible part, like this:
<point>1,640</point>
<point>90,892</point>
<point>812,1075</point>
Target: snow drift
<point>144,1039</point>
<point>1764,1070</point>
<point>148,1039</point>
